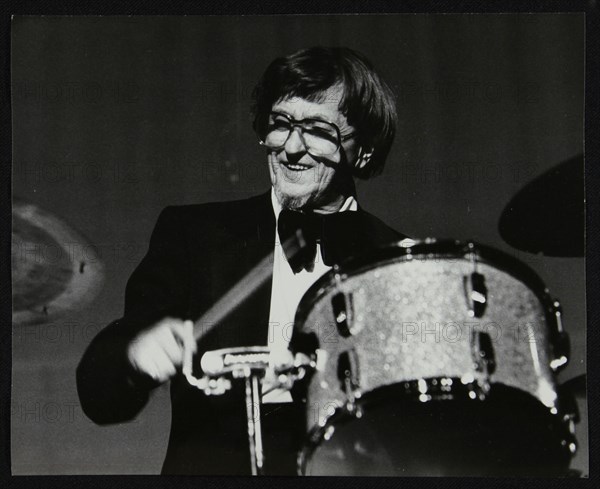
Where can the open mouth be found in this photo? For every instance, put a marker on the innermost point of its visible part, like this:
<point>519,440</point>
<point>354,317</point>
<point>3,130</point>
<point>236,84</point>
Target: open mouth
<point>296,166</point>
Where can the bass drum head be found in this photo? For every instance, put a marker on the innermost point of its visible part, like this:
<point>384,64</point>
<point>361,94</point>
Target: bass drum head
<point>510,433</point>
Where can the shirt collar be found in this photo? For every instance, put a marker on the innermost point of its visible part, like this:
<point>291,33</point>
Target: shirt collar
<point>350,204</point>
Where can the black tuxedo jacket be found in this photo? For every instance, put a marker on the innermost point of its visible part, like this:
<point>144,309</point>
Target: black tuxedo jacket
<point>196,254</point>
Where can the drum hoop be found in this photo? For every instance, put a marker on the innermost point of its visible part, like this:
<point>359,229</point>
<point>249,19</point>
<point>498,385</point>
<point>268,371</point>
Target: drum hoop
<point>429,249</point>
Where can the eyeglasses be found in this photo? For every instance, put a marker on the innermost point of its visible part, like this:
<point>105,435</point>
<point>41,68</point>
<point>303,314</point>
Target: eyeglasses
<point>320,138</point>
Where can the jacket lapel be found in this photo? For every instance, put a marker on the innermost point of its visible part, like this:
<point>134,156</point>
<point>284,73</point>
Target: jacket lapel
<point>261,242</point>
<point>250,237</point>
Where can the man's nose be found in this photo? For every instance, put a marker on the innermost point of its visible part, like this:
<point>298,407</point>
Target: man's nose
<point>294,143</point>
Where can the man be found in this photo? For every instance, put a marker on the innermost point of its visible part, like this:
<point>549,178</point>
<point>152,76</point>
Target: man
<point>324,117</point>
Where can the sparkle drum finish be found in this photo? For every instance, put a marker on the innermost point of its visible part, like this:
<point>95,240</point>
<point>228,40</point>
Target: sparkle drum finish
<point>442,337</point>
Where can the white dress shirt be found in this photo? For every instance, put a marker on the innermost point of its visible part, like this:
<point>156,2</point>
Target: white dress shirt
<point>286,291</point>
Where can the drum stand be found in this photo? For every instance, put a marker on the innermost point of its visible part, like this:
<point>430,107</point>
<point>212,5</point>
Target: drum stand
<point>253,400</point>
<point>249,363</point>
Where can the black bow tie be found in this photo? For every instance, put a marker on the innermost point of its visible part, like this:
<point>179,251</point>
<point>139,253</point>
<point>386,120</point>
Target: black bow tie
<point>299,232</point>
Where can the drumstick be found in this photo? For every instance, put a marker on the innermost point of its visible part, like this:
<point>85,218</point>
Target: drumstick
<point>244,288</point>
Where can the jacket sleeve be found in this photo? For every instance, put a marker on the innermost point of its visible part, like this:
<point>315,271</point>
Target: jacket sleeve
<point>110,391</point>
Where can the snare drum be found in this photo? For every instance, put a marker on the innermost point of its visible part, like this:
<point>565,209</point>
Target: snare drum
<point>433,359</point>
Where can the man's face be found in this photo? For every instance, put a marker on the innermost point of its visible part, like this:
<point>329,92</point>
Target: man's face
<point>299,179</point>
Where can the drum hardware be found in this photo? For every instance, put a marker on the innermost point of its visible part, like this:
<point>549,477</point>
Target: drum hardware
<point>561,344</point>
<point>220,366</point>
<point>288,375</point>
<point>474,287</point>
<point>573,396</point>
<point>253,400</point>
<point>475,294</point>
<point>482,353</point>
<point>570,419</point>
<point>444,388</point>
<point>251,363</point>
<point>341,305</point>
<point>320,359</point>
<point>571,391</point>
<point>248,363</point>
<point>348,374</point>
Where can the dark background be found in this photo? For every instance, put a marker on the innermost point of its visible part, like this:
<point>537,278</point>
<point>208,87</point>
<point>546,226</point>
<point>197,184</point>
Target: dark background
<point>114,118</point>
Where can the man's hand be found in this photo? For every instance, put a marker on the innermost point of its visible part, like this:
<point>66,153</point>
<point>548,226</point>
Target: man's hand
<point>158,350</point>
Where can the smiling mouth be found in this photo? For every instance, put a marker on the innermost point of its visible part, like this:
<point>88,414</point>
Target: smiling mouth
<point>296,166</point>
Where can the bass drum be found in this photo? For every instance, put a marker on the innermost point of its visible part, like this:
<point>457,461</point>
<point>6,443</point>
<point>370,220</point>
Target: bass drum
<point>433,359</point>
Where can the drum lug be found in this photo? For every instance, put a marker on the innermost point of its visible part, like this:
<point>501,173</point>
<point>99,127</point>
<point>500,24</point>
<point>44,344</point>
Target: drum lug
<point>341,305</point>
<point>320,359</point>
<point>561,348</point>
<point>475,294</point>
<point>352,407</point>
<point>348,374</point>
<point>561,344</point>
<point>484,359</point>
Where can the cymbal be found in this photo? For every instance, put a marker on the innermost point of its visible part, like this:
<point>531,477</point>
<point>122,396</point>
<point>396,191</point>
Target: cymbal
<point>547,215</point>
<point>54,268</point>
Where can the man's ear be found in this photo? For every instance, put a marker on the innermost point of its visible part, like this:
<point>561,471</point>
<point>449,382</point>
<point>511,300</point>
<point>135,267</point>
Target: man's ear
<point>363,158</point>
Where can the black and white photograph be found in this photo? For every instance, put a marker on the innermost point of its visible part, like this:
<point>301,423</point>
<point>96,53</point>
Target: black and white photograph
<point>299,245</point>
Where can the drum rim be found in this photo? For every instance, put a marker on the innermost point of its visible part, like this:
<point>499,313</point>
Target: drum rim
<point>396,251</point>
<point>315,436</point>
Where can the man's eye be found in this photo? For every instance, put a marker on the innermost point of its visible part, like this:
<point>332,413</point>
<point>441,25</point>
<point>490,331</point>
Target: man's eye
<point>279,125</point>
<point>321,132</point>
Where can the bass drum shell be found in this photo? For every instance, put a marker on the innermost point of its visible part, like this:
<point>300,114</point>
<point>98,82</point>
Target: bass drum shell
<point>398,435</point>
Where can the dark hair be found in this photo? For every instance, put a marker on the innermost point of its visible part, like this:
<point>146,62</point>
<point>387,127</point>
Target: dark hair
<point>367,101</point>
